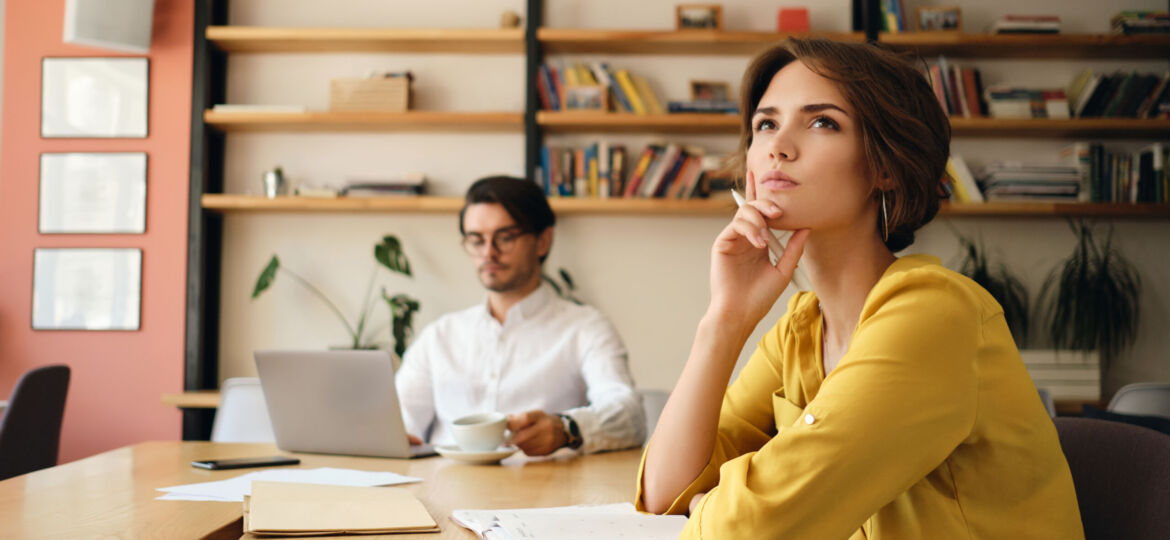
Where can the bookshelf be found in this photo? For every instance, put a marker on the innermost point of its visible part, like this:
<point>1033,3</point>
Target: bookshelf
<point>432,121</point>
<point>259,39</point>
<point>691,42</point>
<point>1025,46</point>
<point>225,203</point>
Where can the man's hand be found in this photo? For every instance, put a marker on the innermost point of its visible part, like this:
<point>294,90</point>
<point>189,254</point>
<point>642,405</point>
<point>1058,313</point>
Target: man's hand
<point>536,432</point>
<point>414,441</point>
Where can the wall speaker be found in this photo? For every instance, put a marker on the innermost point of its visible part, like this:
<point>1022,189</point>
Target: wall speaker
<point>122,25</point>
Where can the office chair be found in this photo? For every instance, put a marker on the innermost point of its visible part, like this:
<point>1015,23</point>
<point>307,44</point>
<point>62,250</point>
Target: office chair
<point>30,430</point>
<point>243,414</point>
<point>1122,477</point>
<point>652,403</point>
<point>1147,399</point>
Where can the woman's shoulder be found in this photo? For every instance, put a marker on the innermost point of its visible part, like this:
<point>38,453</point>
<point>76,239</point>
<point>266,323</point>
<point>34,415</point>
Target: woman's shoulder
<point>922,279</point>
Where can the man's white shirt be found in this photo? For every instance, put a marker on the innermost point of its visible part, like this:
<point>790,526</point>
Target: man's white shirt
<point>550,354</point>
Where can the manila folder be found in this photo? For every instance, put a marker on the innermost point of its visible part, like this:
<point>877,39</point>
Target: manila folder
<point>288,509</point>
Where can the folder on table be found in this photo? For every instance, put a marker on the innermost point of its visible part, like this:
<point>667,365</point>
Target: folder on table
<point>287,509</point>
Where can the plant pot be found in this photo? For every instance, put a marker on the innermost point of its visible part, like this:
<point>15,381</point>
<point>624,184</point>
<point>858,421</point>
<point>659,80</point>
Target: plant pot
<point>1065,374</point>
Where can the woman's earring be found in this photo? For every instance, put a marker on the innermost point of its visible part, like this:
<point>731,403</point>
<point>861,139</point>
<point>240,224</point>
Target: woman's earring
<point>885,220</point>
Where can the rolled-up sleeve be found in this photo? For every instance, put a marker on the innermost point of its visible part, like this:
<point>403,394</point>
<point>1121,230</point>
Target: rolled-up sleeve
<point>614,418</point>
<point>896,406</point>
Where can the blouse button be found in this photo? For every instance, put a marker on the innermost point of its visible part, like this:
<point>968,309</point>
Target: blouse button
<point>809,419</point>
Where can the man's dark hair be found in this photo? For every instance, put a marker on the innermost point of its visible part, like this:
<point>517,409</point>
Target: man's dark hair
<point>523,200</point>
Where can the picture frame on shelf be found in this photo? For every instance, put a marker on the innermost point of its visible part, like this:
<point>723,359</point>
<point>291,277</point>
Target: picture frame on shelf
<point>710,91</point>
<point>938,19</point>
<point>698,17</point>
<point>92,193</point>
<point>94,97</point>
<point>87,288</point>
<point>586,98</point>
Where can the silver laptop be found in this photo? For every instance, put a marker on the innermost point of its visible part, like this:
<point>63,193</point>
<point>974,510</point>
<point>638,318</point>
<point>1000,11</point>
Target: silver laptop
<point>335,402</point>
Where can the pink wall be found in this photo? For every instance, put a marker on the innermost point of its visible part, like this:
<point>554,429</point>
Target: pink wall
<point>118,377</point>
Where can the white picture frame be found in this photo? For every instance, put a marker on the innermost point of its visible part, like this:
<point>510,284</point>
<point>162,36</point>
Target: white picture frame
<point>94,97</point>
<point>86,288</point>
<point>92,193</point>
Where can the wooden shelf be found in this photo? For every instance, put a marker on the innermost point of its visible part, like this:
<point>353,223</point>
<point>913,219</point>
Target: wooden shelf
<point>198,399</point>
<point>690,42</point>
<point>1116,128</point>
<point>577,122</point>
<point>255,39</point>
<point>366,121</point>
<point>1073,46</point>
<point>697,207</point>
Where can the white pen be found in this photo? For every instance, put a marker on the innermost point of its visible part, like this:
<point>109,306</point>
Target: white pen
<point>774,245</point>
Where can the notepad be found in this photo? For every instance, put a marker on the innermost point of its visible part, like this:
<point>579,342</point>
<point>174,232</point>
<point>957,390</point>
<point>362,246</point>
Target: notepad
<point>286,509</point>
<point>608,521</point>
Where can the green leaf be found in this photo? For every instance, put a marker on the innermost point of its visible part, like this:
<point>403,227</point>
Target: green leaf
<point>267,276</point>
<point>389,254</point>
<point>402,310</point>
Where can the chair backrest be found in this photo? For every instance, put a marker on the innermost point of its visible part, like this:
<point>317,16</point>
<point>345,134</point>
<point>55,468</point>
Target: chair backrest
<point>652,403</point>
<point>1049,403</point>
<point>1122,477</point>
<point>1147,399</point>
<point>30,430</point>
<point>243,414</point>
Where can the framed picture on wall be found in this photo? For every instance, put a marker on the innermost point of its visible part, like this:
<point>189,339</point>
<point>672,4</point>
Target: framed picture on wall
<point>86,288</point>
<point>94,97</point>
<point>93,192</point>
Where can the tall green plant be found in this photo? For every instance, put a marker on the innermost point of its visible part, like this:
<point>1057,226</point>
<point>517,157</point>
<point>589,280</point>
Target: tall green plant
<point>1006,288</point>
<point>389,254</point>
<point>1095,297</point>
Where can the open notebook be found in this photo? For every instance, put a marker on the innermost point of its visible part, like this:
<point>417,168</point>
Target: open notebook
<point>287,509</point>
<point>587,522</point>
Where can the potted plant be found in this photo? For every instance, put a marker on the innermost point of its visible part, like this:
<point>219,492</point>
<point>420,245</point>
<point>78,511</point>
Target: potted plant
<point>389,254</point>
<point>1093,298</point>
<point>1005,287</point>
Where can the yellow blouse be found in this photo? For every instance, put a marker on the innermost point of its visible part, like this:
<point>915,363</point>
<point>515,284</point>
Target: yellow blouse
<point>929,427</point>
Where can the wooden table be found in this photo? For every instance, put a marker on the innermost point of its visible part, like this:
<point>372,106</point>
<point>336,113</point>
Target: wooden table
<point>113,494</point>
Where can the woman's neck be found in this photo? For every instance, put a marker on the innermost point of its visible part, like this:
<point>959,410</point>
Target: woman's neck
<point>843,267</point>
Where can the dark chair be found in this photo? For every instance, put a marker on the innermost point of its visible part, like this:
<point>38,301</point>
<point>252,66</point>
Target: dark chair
<point>30,429</point>
<point>1122,477</point>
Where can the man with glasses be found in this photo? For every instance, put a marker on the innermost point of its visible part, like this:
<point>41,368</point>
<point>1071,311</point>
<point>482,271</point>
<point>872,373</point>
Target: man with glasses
<point>558,369</point>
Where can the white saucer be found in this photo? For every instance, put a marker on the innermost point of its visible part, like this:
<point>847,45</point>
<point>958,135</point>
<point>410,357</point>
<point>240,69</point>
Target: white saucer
<point>451,451</point>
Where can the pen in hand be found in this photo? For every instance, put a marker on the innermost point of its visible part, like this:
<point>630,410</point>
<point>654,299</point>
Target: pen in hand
<point>774,245</point>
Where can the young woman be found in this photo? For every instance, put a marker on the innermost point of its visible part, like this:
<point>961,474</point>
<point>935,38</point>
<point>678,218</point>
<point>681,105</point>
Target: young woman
<point>888,402</point>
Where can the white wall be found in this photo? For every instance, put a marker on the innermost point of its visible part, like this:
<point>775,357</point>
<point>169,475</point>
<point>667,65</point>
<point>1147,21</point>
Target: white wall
<point>649,274</point>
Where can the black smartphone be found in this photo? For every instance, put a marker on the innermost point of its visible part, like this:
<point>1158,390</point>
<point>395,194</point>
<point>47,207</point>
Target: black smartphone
<point>241,463</point>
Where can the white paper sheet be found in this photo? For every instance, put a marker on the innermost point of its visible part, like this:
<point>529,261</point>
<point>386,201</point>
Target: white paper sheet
<point>234,489</point>
<point>609,521</point>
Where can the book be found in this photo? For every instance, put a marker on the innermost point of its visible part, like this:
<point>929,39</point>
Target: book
<point>649,99</point>
<point>964,181</point>
<point>623,78</point>
<point>703,106</point>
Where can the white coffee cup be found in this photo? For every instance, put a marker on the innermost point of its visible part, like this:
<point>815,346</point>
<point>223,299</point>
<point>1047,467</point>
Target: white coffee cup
<point>480,432</point>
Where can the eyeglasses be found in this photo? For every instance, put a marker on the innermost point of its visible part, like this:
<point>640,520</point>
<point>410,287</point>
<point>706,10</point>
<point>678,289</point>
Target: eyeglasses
<point>503,241</point>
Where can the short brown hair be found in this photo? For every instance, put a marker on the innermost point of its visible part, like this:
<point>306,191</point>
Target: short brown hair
<point>905,135</point>
<point>522,199</point>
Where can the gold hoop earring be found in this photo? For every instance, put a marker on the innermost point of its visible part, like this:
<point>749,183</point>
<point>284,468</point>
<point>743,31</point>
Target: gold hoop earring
<point>885,220</point>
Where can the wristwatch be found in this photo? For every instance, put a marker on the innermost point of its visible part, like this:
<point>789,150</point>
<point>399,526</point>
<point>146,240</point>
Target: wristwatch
<point>573,438</point>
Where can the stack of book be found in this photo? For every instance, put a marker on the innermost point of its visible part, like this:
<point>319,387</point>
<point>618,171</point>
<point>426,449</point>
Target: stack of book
<point>1141,22</point>
<point>716,106</point>
<point>1122,177</point>
<point>411,184</point>
<point>625,91</point>
<point>602,171</point>
<point>1065,374</point>
<point>1026,24</point>
<point>1020,102</point>
<point>1120,95</point>
<point>1017,181</point>
<point>958,88</point>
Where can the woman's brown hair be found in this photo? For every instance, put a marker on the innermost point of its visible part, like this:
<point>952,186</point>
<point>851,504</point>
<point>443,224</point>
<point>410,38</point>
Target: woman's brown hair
<point>905,135</point>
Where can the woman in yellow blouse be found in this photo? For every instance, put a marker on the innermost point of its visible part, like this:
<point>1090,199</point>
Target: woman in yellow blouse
<point>889,403</point>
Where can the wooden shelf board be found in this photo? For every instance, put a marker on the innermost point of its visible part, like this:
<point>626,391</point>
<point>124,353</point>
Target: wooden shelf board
<point>687,42</point>
<point>198,399</point>
<point>1077,46</point>
<point>254,39</point>
<point>576,122</point>
<point>713,207</point>
<point>443,121</point>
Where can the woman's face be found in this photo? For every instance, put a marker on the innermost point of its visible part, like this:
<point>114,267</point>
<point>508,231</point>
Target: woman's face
<point>806,154</point>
